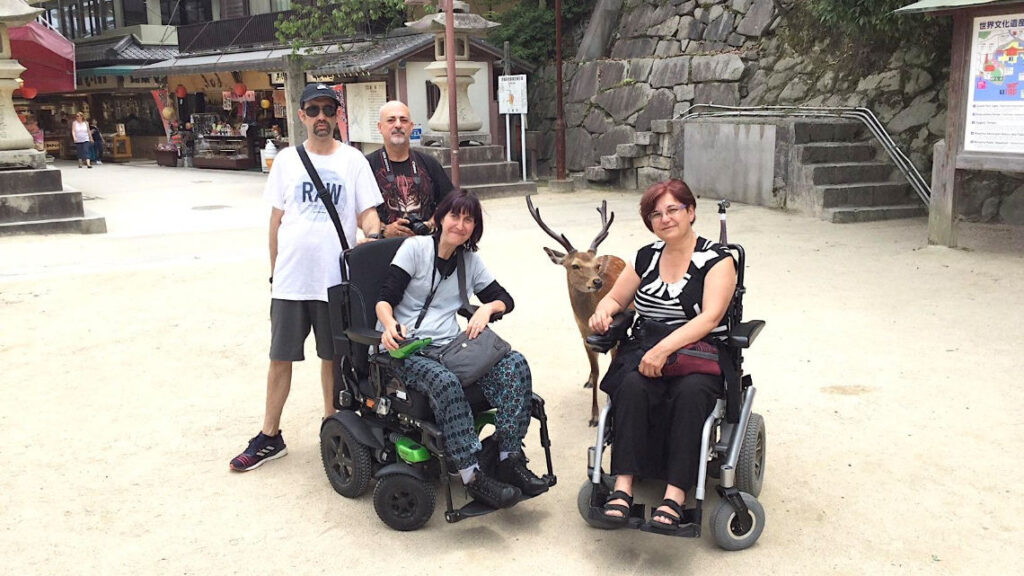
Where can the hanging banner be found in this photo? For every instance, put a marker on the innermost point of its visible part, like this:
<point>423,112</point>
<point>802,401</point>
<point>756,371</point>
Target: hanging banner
<point>342,113</point>
<point>163,106</point>
<point>280,104</point>
<point>995,99</point>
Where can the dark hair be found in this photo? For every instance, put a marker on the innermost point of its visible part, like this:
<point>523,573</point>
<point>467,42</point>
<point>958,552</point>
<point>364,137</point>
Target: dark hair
<point>676,188</point>
<point>460,202</point>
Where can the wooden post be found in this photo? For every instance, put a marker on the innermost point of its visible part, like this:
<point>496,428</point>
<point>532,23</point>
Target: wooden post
<point>941,218</point>
<point>946,179</point>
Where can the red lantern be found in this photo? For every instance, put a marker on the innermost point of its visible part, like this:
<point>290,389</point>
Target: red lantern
<point>240,89</point>
<point>181,91</point>
<point>27,92</point>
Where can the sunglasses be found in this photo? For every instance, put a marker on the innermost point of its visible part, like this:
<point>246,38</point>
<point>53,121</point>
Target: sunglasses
<point>313,110</point>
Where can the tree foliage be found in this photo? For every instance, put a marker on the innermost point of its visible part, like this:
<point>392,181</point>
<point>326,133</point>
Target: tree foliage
<point>873,21</point>
<point>313,22</point>
<point>530,28</point>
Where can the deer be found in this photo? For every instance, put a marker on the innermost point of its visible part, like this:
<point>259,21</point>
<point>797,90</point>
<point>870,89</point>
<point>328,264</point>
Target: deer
<point>589,278</point>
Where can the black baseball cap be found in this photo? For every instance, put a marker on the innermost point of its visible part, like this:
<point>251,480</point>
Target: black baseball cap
<point>318,90</point>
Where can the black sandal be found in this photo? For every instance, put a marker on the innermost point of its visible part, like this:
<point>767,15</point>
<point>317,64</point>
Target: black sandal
<point>601,516</point>
<point>673,521</point>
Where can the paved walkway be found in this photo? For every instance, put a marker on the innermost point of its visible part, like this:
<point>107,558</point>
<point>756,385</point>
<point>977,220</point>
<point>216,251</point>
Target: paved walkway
<point>134,366</point>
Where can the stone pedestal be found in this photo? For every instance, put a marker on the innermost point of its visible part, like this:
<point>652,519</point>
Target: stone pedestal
<point>444,139</point>
<point>468,119</point>
<point>30,158</point>
<point>35,202</point>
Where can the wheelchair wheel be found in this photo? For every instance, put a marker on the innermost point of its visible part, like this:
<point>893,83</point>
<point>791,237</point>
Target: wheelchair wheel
<point>403,502</point>
<point>584,497</point>
<point>346,461</point>
<point>725,528</point>
<point>750,467</point>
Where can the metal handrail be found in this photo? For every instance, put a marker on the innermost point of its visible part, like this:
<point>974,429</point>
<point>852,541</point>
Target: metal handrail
<point>864,115</point>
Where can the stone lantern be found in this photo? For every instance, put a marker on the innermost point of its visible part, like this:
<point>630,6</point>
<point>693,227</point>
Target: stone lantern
<point>466,25</point>
<point>16,146</point>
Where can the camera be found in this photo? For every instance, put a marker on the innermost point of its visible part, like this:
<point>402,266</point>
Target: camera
<point>417,225</point>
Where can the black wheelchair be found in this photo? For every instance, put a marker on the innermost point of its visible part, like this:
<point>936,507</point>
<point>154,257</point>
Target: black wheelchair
<point>732,443</point>
<point>384,431</point>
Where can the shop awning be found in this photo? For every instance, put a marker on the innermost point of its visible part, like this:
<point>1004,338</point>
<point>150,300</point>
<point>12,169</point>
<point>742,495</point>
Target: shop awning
<point>939,5</point>
<point>108,71</point>
<point>267,60</point>
<point>48,57</point>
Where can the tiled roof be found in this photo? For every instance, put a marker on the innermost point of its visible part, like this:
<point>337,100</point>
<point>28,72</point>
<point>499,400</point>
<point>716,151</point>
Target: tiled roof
<point>123,50</point>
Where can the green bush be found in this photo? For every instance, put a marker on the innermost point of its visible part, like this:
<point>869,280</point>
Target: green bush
<point>872,21</point>
<point>315,21</point>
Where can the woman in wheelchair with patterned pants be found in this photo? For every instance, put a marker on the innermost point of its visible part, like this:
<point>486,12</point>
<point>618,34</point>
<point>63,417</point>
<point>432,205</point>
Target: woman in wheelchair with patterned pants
<point>426,265</point>
<point>686,282</point>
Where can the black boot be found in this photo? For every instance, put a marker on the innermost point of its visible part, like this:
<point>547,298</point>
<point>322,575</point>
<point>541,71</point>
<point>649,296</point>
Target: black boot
<point>513,470</point>
<point>491,492</point>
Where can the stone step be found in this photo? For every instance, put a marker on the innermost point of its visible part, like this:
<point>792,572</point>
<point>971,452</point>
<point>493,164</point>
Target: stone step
<point>502,189</point>
<point>807,131</point>
<point>597,174</point>
<point>866,194</point>
<point>40,206</point>
<point>24,181</point>
<point>849,172</point>
<point>852,214</point>
<point>487,172</point>
<point>826,152</point>
<point>615,162</point>
<point>88,224</point>
<point>467,154</point>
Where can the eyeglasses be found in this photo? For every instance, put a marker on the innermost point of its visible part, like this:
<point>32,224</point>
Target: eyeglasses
<point>670,211</point>
<point>313,110</point>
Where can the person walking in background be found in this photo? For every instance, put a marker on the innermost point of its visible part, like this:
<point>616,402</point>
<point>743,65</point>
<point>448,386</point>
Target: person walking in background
<point>83,140</point>
<point>97,143</point>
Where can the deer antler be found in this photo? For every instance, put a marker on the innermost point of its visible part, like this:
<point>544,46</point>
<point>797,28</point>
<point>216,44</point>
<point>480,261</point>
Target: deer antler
<point>560,238</point>
<point>606,223</point>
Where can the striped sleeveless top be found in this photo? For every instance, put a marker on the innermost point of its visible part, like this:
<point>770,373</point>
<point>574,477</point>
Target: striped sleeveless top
<point>679,302</point>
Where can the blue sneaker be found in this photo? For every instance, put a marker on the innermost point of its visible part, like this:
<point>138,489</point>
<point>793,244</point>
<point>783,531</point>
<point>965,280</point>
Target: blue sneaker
<point>261,449</point>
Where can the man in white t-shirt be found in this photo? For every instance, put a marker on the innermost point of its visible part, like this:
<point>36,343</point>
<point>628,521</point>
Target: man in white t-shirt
<point>304,256</point>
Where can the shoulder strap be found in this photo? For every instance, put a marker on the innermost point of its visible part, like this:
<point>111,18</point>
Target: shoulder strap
<point>322,193</point>
<point>460,266</point>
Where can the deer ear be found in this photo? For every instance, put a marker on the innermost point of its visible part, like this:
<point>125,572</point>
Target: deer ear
<point>556,257</point>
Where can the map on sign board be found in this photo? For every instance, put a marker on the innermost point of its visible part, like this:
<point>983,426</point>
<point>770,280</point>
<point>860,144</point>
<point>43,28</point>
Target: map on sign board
<point>512,94</point>
<point>995,98</point>
<point>364,101</point>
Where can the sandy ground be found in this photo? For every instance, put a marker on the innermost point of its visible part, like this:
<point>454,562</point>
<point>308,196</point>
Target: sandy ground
<point>133,369</point>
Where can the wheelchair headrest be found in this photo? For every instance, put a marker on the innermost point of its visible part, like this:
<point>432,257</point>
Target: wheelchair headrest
<point>368,265</point>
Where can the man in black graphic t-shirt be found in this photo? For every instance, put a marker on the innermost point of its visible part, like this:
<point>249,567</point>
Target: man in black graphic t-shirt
<point>411,183</point>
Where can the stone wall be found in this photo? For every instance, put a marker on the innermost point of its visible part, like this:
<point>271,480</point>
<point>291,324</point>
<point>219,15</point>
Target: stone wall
<point>666,55</point>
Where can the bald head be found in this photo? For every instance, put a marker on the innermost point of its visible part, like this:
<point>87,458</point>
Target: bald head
<point>395,125</point>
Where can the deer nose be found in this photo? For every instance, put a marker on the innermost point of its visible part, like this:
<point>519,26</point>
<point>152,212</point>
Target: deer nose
<point>598,283</point>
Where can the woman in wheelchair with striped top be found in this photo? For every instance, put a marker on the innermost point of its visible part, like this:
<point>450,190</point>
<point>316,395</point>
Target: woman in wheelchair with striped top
<point>686,282</point>
<point>426,265</point>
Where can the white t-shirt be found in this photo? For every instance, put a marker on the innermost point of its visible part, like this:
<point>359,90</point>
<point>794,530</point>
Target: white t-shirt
<point>307,243</point>
<point>416,257</point>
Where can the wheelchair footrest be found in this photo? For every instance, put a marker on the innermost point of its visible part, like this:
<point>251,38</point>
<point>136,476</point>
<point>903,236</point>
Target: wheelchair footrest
<point>681,531</point>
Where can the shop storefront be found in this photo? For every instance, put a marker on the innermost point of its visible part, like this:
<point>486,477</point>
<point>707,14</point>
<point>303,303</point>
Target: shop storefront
<point>124,108</point>
<point>232,115</point>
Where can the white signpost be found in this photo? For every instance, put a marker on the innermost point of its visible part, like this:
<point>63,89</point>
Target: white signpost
<point>512,100</point>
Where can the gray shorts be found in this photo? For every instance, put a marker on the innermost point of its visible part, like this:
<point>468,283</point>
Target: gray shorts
<point>290,321</point>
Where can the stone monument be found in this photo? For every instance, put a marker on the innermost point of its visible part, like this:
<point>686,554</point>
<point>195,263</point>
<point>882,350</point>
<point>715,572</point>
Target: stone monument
<point>466,25</point>
<point>32,196</point>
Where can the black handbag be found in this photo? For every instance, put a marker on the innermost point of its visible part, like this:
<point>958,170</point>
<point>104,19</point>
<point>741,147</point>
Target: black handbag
<point>469,359</point>
<point>699,357</point>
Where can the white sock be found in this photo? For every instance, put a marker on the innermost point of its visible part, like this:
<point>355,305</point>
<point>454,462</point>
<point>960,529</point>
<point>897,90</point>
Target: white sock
<point>468,473</point>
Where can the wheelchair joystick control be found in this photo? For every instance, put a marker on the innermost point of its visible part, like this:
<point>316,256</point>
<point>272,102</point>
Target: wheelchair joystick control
<point>410,348</point>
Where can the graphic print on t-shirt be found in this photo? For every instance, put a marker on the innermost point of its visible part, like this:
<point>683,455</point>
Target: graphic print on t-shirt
<point>305,196</point>
<point>403,196</point>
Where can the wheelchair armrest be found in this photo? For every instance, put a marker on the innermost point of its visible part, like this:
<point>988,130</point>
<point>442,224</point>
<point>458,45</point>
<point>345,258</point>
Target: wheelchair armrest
<point>743,334</point>
<point>468,311</point>
<point>366,336</point>
<point>616,332</point>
